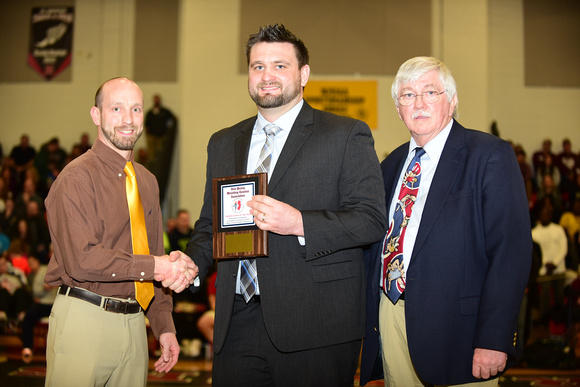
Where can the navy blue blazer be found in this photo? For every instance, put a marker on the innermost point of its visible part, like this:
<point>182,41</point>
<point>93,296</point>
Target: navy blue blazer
<point>470,263</point>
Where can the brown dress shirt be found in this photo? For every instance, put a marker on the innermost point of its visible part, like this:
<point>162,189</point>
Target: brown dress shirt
<point>89,223</point>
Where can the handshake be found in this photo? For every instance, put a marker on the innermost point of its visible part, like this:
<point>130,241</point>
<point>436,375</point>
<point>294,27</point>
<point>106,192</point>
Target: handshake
<point>175,271</point>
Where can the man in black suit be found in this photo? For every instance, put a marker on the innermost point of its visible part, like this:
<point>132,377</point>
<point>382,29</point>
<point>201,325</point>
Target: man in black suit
<point>464,250</point>
<point>325,201</point>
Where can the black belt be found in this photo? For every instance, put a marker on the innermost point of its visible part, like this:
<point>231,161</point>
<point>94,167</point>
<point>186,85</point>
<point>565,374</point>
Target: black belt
<point>255,298</point>
<point>108,304</point>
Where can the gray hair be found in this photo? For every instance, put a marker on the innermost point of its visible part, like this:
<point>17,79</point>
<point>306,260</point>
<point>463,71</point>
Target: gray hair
<point>415,68</point>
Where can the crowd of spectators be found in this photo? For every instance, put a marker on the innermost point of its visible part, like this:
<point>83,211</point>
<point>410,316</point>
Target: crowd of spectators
<point>25,249</point>
<point>552,183</point>
<point>553,188</point>
<point>551,177</point>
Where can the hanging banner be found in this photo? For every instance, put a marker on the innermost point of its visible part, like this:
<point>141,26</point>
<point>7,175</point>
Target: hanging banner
<point>51,35</point>
<point>356,99</point>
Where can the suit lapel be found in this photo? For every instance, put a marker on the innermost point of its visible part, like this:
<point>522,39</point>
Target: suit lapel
<point>300,131</point>
<point>242,146</point>
<point>447,171</point>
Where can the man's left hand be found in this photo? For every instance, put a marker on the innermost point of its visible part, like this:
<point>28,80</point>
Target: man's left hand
<point>169,352</point>
<point>487,362</point>
<point>273,215</point>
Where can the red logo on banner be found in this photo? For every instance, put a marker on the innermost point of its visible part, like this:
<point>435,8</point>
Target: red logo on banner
<point>51,32</point>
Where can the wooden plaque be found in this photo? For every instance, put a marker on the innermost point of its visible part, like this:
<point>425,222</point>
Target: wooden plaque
<point>234,232</point>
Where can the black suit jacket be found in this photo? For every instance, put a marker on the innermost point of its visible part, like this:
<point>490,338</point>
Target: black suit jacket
<point>470,263</point>
<point>312,295</point>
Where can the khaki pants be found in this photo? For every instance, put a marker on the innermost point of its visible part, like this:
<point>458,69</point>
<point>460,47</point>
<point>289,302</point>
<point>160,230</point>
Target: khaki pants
<point>397,365</point>
<point>88,346</point>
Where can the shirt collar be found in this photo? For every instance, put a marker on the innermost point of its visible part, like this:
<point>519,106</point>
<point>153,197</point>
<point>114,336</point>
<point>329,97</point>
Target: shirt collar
<point>433,148</point>
<point>284,122</point>
<point>110,157</point>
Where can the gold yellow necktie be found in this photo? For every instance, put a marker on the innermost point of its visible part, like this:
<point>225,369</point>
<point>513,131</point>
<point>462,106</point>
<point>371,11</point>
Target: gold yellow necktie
<point>143,289</point>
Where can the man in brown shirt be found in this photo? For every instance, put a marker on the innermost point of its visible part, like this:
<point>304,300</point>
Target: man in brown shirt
<point>97,332</point>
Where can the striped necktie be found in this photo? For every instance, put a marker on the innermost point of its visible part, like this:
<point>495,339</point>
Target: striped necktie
<point>249,271</point>
<point>143,289</point>
<point>392,251</point>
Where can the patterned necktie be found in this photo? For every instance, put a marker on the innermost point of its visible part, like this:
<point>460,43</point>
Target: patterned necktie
<point>392,252</point>
<point>249,271</point>
<point>143,289</point>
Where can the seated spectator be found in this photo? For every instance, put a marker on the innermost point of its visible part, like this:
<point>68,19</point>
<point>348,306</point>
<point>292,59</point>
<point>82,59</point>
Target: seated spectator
<point>43,297</point>
<point>567,160</point>
<point>570,221</point>
<point>206,321</point>
<point>75,152</point>
<point>548,194</point>
<point>51,176</point>
<point>9,217</point>
<point>18,256</point>
<point>187,307</point>
<point>32,173</point>
<point>575,189</point>
<point>538,158</point>
<point>22,158</point>
<point>179,236</point>
<point>4,242</point>
<point>85,143</point>
<point>552,240</point>
<point>38,234</point>
<point>22,155</point>
<point>567,163</point>
<point>530,301</point>
<point>29,193</point>
<point>50,160</point>
<point>549,167</point>
<point>14,297</point>
<point>9,175</point>
<point>21,232</point>
<point>169,227</point>
<point>3,195</point>
<point>526,172</point>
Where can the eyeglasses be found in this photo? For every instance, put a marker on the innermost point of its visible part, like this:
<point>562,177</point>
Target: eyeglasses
<point>430,96</point>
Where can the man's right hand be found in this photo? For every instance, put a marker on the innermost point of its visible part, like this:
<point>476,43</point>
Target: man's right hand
<point>175,271</point>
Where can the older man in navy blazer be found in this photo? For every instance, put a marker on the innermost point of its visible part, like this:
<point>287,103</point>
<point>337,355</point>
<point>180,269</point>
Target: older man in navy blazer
<point>464,248</point>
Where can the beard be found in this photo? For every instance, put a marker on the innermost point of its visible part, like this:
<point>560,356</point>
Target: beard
<point>269,101</point>
<point>122,143</point>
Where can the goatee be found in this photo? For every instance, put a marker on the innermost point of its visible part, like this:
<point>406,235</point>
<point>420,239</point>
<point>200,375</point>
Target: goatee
<point>269,101</point>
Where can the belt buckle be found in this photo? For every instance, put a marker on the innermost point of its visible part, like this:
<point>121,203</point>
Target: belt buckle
<point>113,309</point>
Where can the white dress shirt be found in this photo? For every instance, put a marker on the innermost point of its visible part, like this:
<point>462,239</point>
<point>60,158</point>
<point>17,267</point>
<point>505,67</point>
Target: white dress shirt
<point>429,162</point>
<point>554,245</point>
<point>285,123</point>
